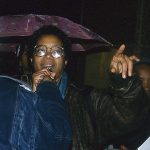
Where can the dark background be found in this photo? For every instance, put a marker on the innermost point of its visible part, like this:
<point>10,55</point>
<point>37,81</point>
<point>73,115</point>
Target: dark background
<point>113,19</point>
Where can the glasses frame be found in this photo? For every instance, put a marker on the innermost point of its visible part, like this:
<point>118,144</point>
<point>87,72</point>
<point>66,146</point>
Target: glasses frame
<point>46,48</point>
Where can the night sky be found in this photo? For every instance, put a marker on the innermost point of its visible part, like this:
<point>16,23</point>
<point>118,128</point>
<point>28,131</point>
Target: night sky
<point>113,19</point>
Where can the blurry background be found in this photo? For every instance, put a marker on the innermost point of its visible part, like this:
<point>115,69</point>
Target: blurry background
<point>118,21</point>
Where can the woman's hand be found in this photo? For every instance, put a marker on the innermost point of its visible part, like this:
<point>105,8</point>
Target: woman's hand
<point>43,74</point>
<point>122,63</point>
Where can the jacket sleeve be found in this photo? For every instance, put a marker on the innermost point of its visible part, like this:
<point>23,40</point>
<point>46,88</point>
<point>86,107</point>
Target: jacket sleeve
<point>54,124</point>
<point>121,109</point>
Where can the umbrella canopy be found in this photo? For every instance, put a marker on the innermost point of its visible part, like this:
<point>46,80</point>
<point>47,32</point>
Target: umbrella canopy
<point>13,28</point>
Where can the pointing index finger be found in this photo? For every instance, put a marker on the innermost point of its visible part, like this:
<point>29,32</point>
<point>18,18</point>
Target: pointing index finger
<point>120,50</point>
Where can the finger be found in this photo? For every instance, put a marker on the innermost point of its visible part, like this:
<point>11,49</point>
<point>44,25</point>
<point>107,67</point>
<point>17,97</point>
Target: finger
<point>53,75</point>
<point>50,74</point>
<point>41,72</point>
<point>114,64</point>
<point>130,65</point>
<point>114,67</point>
<point>124,67</point>
<point>37,77</point>
<point>47,72</point>
<point>134,58</point>
<point>44,71</point>
<point>120,50</point>
<point>36,81</point>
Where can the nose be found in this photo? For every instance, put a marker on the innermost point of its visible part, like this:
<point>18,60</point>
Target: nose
<point>48,55</point>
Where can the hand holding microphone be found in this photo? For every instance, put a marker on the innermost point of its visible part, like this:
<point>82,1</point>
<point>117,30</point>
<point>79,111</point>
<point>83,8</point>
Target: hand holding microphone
<point>45,74</point>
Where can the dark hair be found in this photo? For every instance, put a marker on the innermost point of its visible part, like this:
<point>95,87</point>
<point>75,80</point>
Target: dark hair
<point>50,30</point>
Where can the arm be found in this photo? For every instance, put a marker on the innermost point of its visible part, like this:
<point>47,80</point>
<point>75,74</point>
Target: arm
<point>124,107</point>
<point>53,119</point>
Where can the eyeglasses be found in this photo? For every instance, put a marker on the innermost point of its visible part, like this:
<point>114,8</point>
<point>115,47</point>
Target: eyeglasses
<point>56,51</point>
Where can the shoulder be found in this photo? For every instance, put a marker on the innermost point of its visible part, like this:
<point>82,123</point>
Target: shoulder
<point>7,82</point>
<point>79,88</point>
<point>85,90</point>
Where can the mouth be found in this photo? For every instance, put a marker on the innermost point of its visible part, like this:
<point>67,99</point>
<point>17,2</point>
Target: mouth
<point>49,67</point>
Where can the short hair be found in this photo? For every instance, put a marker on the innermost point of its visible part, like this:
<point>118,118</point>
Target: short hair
<point>50,30</point>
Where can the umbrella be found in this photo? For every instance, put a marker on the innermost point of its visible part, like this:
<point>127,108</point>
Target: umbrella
<point>17,27</point>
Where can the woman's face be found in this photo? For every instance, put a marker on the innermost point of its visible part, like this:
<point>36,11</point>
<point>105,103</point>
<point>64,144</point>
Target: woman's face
<point>48,61</point>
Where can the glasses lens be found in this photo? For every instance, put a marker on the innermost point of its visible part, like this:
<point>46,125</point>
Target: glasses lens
<point>57,53</point>
<point>40,50</point>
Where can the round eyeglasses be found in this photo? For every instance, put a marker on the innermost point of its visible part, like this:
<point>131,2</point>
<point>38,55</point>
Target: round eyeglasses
<point>55,51</point>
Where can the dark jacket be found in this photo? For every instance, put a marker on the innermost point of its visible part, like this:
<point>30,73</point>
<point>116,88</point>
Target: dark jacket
<point>98,116</point>
<point>135,138</point>
<point>32,121</point>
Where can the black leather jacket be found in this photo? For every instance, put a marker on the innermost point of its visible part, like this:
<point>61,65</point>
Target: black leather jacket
<point>98,116</point>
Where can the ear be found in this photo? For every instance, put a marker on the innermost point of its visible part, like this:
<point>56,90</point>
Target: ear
<point>31,63</point>
<point>31,60</point>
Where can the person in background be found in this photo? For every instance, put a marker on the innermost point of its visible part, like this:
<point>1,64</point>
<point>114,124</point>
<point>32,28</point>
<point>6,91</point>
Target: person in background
<point>142,68</point>
<point>24,71</point>
<point>23,60</point>
<point>137,137</point>
<point>97,116</point>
